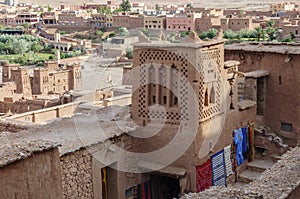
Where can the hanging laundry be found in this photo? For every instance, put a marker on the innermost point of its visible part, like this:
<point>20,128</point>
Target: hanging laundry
<point>238,141</point>
<point>144,190</point>
<point>228,163</point>
<point>203,174</point>
<point>218,169</point>
<point>244,145</point>
<point>131,193</point>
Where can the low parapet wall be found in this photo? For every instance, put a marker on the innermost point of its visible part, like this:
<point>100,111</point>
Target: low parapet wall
<point>121,100</point>
<point>43,115</point>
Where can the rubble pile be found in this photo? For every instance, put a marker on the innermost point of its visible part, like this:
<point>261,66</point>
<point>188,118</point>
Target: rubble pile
<point>265,138</point>
<point>280,180</point>
<point>223,192</point>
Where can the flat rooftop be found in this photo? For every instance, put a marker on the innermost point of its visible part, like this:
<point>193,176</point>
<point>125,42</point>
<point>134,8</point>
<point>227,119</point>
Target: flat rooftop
<point>271,47</point>
<point>165,44</point>
<point>71,134</point>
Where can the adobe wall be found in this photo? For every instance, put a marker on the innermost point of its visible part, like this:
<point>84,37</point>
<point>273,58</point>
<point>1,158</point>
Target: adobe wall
<point>69,29</point>
<point>36,177</point>
<point>282,87</point>
<point>44,115</point>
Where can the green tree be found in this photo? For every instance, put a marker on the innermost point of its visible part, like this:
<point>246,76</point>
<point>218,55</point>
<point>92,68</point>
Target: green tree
<point>123,31</point>
<point>241,12</point>
<point>72,48</point>
<point>229,34</point>
<point>117,10</point>
<point>99,33</point>
<point>259,33</point>
<point>184,34</point>
<point>145,31</point>
<point>49,8</point>
<point>36,47</point>
<point>157,7</point>
<point>2,49</point>
<point>112,34</point>
<point>125,5</point>
<point>26,25</point>
<point>189,5</point>
<point>271,32</point>
<point>270,23</point>
<point>103,28</point>
<point>129,53</point>
<point>292,35</point>
<point>20,47</point>
<point>244,33</point>
<point>211,33</point>
<point>288,40</point>
<point>104,9</point>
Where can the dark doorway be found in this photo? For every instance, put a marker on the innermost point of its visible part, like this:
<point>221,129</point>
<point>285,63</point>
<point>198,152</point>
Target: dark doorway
<point>104,183</point>
<point>110,187</point>
<point>165,187</point>
<point>261,83</point>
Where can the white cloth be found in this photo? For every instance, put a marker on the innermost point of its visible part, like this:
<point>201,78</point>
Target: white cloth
<point>228,163</point>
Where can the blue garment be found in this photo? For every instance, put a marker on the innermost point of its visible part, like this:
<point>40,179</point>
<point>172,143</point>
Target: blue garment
<point>238,141</point>
<point>244,145</point>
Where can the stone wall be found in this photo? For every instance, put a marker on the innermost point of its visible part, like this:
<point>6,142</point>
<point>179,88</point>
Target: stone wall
<point>76,170</point>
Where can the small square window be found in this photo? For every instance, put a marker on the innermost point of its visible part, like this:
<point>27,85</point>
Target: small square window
<point>286,127</point>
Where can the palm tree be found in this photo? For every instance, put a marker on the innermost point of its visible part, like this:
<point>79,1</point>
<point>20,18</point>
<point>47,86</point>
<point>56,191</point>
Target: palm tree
<point>270,23</point>
<point>271,33</point>
<point>259,32</point>
<point>270,30</point>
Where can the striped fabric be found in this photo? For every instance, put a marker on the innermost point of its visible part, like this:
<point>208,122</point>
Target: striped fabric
<point>218,169</point>
<point>228,163</point>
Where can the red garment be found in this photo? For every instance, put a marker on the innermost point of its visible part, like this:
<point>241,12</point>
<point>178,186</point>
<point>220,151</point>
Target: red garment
<point>204,176</point>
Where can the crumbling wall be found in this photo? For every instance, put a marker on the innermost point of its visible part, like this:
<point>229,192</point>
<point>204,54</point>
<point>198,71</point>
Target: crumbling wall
<point>76,170</point>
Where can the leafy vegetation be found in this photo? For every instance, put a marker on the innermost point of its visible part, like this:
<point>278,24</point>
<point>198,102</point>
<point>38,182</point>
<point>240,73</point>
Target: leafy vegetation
<point>184,34</point>
<point>11,44</point>
<point>211,33</point>
<point>125,5</point>
<point>123,31</point>
<point>104,9</point>
<point>129,53</point>
<point>27,58</point>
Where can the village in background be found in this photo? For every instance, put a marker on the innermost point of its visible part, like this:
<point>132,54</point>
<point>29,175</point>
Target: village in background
<point>84,88</point>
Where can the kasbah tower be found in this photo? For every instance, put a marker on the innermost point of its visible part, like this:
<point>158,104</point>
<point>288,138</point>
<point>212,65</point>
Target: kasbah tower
<point>185,88</point>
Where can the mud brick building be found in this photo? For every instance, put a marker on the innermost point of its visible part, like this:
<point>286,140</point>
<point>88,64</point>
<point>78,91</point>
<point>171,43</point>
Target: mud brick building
<point>278,93</point>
